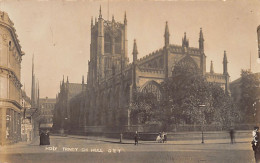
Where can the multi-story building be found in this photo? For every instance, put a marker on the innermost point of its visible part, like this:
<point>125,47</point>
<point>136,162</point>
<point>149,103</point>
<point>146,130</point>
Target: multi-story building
<point>112,81</point>
<point>46,107</point>
<point>10,85</point>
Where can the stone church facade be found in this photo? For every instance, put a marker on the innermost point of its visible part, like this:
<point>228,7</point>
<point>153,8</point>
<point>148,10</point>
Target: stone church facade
<point>112,80</point>
<point>61,112</point>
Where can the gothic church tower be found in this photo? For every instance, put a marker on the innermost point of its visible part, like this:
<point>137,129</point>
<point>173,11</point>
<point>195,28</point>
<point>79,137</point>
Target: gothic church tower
<point>108,48</point>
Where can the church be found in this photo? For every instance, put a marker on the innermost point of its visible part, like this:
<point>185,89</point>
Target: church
<point>111,80</point>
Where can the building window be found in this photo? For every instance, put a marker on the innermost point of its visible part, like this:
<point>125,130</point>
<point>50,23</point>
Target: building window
<point>152,87</point>
<point>107,43</point>
<point>118,48</point>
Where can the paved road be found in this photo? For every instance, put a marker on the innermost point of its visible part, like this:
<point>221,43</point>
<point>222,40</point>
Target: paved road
<point>82,149</point>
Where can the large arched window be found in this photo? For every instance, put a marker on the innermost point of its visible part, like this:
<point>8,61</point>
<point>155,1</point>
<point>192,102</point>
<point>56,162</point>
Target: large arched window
<point>107,43</point>
<point>152,87</point>
<point>118,40</point>
<point>185,65</point>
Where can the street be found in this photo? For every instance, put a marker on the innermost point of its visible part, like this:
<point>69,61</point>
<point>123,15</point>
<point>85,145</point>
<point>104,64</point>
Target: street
<point>88,149</point>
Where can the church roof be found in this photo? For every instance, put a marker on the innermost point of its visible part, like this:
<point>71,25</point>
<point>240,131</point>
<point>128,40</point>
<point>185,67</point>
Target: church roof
<point>173,49</point>
<point>77,98</point>
<point>74,89</point>
<point>150,56</point>
<point>179,49</point>
<point>237,81</point>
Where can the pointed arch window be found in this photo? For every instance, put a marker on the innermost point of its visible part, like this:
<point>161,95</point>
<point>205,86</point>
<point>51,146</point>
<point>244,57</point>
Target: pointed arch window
<point>118,43</point>
<point>154,88</point>
<point>107,43</point>
<point>187,64</point>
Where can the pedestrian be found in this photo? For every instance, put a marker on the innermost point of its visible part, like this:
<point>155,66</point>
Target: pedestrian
<point>136,137</point>
<point>165,137</point>
<point>232,135</point>
<point>44,139</point>
<point>121,137</point>
<point>41,138</point>
<point>255,144</point>
<point>47,138</point>
<point>158,139</point>
<point>255,134</point>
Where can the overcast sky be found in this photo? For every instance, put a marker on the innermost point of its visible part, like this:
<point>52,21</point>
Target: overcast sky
<point>58,33</point>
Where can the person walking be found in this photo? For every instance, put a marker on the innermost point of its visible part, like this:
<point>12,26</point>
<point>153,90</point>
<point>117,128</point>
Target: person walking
<point>255,144</point>
<point>41,138</point>
<point>232,135</point>
<point>121,137</point>
<point>158,139</point>
<point>136,137</point>
<point>47,138</point>
<point>165,137</point>
<point>163,134</point>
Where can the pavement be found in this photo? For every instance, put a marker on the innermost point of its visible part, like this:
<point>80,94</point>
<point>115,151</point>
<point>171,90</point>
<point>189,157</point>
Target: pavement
<point>195,141</point>
<point>74,148</point>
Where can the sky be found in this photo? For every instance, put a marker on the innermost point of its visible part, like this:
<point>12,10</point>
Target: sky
<point>57,33</point>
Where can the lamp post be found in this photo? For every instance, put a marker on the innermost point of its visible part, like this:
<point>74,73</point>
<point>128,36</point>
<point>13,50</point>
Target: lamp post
<point>254,104</point>
<point>66,124</point>
<point>202,116</point>
<point>256,112</point>
<point>258,36</point>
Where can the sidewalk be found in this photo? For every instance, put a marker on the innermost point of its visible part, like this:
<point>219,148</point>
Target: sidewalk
<point>35,141</point>
<point>177,142</point>
<point>20,143</point>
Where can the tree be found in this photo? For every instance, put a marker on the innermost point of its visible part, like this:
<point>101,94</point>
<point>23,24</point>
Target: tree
<point>190,99</point>
<point>187,91</point>
<point>187,99</point>
<point>249,95</point>
<point>225,112</point>
<point>144,109</point>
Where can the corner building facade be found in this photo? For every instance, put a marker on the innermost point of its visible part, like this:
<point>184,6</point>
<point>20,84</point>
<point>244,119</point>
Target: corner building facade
<point>10,85</point>
<point>112,81</point>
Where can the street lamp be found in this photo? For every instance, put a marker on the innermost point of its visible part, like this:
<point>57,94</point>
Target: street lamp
<point>258,35</point>
<point>202,123</point>
<point>256,112</point>
<point>66,124</point>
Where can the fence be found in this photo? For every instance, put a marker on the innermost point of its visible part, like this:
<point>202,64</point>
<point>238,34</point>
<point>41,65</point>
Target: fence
<point>155,128</point>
